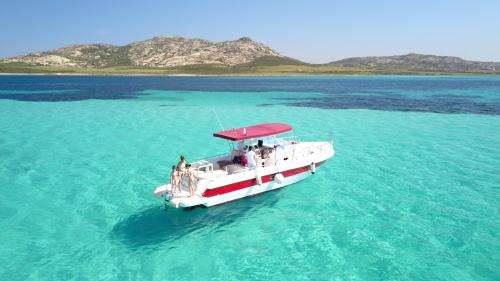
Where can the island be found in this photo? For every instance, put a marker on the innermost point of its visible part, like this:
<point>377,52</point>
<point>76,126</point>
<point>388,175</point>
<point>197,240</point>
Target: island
<point>192,56</point>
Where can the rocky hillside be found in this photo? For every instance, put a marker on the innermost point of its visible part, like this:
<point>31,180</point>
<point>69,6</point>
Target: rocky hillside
<point>417,62</point>
<point>185,53</point>
<point>155,52</point>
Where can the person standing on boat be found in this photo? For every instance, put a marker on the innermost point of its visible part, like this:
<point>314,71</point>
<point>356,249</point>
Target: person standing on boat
<point>181,168</point>
<point>174,179</point>
<point>190,175</point>
<point>182,163</point>
<point>251,158</point>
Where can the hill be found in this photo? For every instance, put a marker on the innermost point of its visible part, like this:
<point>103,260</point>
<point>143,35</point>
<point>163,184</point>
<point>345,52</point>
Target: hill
<point>418,62</point>
<point>178,55</point>
<point>155,52</point>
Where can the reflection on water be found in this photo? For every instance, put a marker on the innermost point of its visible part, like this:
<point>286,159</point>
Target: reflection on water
<point>154,226</point>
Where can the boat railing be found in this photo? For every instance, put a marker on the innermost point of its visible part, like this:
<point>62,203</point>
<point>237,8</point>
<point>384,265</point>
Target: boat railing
<point>307,152</point>
<point>208,166</point>
<point>208,157</point>
<point>204,164</point>
<point>298,138</point>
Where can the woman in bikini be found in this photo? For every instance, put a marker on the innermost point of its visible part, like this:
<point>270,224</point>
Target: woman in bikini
<point>174,180</point>
<point>181,168</point>
<point>190,175</point>
<point>182,163</point>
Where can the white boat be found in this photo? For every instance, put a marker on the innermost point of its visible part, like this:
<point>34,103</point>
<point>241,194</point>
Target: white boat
<point>281,161</point>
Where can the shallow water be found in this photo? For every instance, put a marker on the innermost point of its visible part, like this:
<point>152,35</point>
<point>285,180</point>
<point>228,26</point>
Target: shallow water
<point>412,193</point>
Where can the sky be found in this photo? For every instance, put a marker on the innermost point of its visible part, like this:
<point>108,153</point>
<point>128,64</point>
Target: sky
<point>314,31</point>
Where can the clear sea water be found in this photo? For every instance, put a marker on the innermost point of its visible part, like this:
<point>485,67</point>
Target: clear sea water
<point>413,192</point>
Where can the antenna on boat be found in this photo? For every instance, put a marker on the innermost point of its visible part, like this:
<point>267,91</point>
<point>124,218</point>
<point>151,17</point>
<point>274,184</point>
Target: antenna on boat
<point>221,128</point>
<point>218,120</point>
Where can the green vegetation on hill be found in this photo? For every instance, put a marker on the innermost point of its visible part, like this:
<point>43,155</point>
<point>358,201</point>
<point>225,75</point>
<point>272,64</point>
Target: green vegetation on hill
<point>273,61</point>
<point>256,69</point>
<point>120,57</point>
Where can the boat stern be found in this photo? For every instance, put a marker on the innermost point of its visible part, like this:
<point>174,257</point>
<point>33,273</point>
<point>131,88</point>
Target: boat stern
<point>162,190</point>
<point>178,200</point>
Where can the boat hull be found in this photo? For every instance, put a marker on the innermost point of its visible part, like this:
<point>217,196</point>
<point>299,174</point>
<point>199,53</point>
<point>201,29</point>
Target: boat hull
<point>254,190</point>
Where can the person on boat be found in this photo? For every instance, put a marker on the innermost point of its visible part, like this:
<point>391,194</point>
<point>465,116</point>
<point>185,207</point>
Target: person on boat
<point>181,168</point>
<point>190,175</point>
<point>243,159</point>
<point>251,158</point>
<point>239,152</point>
<point>241,147</point>
<point>182,163</point>
<point>174,180</point>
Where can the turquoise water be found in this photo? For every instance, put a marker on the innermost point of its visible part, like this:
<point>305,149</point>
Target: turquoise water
<point>410,195</point>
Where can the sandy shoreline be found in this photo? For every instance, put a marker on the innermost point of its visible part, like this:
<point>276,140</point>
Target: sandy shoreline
<point>183,75</point>
<point>241,75</point>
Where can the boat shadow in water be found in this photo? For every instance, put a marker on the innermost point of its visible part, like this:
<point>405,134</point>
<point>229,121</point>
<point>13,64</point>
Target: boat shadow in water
<point>153,226</point>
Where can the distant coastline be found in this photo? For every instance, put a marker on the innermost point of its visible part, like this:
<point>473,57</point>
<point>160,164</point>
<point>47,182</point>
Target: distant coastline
<point>248,74</point>
<point>242,57</point>
<point>216,70</point>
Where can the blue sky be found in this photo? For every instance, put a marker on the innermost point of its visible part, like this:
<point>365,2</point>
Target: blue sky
<point>313,31</point>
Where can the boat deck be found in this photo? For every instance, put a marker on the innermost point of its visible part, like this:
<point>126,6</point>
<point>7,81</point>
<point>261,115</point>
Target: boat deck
<point>184,200</point>
<point>210,174</point>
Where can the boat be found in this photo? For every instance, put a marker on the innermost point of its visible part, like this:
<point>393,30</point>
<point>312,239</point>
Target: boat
<point>281,161</point>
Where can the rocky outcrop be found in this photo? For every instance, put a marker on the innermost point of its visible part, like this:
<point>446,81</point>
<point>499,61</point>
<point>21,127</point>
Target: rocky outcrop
<point>155,52</point>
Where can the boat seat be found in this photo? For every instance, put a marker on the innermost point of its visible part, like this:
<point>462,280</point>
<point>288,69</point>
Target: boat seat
<point>235,168</point>
<point>223,163</point>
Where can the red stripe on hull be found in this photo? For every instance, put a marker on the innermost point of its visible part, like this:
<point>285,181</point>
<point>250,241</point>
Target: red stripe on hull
<point>251,182</point>
<point>248,196</point>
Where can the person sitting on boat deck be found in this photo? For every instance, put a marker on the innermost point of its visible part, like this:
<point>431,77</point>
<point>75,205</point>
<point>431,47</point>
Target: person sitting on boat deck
<point>174,180</point>
<point>251,158</point>
<point>244,160</point>
<point>190,175</point>
<point>238,153</point>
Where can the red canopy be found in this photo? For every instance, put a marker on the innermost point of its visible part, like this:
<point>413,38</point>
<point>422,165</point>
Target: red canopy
<point>262,130</point>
